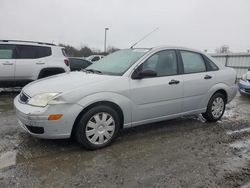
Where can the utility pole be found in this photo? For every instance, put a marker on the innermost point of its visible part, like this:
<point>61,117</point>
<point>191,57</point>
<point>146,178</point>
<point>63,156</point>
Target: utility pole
<point>105,38</point>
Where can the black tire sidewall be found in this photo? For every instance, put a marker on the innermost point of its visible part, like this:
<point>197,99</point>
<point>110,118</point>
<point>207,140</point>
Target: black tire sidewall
<point>80,132</point>
<point>208,115</point>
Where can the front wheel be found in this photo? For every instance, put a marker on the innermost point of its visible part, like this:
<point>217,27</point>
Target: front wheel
<point>215,108</point>
<point>98,127</point>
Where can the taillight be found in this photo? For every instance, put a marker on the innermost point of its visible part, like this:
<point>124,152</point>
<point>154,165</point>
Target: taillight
<point>66,61</point>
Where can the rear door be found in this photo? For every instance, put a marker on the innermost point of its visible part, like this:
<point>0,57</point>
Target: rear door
<point>30,61</point>
<point>197,80</point>
<point>7,64</point>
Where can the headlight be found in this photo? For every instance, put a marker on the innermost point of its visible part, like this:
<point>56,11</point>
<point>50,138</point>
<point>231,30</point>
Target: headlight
<point>244,77</point>
<point>42,99</point>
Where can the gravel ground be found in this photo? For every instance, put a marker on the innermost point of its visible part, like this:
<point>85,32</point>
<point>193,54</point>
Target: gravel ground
<point>184,152</point>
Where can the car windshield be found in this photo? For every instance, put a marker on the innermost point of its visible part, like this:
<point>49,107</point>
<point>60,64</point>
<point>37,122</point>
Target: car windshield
<point>118,62</point>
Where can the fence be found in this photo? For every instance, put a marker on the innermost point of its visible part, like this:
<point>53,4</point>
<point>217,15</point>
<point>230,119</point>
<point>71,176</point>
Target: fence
<point>239,61</point>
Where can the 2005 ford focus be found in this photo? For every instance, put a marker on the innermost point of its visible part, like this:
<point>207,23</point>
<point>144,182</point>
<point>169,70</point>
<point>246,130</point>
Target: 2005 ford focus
<point>127,88</point>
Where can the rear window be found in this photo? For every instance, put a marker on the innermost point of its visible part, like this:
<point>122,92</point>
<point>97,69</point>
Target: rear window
<point>64,52</point>
<point>32,52</point>
<point>78,63</point>
<point>96,58</point>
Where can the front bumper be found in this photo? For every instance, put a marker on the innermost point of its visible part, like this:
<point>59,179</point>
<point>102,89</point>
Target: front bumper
<point>35,121</point>
<point>244,87</point>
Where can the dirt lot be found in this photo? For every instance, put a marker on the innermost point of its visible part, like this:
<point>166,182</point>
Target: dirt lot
<point>185,152</point>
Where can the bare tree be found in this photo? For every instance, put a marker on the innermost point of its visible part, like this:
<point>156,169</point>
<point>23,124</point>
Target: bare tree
<point>85,51</point>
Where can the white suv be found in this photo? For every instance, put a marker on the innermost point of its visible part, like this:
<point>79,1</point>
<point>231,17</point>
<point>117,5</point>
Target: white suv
<point>24,61</point>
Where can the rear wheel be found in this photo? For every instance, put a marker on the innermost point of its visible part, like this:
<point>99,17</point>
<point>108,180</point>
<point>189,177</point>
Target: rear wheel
<point>215,108</point>
<point>98,127</point>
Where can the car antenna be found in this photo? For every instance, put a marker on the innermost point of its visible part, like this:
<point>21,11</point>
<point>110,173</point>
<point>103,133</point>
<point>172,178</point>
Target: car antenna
<point>144,37</point>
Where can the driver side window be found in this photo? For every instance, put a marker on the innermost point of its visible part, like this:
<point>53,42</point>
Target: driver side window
<point>164,63</point>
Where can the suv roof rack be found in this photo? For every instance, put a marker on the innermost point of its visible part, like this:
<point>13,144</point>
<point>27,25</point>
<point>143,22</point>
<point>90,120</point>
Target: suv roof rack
<point>28,42</point>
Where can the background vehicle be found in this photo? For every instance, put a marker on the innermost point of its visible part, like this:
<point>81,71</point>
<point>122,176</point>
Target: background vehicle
<point>244,84</point>
<point>93,58</point>
<point>24,61</point>
<point>126,88</point>
<point>76,63</point>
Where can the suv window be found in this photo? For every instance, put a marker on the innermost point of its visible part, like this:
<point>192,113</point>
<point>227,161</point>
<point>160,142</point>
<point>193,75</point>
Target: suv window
<point>7,51</point>
<point>32,52</point>
<point>164,63</point>
<point>192,62</point>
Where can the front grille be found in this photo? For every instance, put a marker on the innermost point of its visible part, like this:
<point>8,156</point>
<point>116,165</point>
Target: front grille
<point>36,130</point>
<point>23,97</point>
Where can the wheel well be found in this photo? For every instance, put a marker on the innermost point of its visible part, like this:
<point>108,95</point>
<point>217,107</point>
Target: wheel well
<point>223,92</point>
<point>50,71</point>
<point>107,103</point>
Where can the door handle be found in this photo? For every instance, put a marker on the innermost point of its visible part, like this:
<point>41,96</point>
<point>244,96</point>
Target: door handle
<point>207,77</point>
<point>40,63</point>
<point>7,63</point>
<point>174,82</point>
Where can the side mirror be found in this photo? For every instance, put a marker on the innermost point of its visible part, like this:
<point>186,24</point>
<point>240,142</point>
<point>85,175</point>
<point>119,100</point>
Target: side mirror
<point>144,74</point>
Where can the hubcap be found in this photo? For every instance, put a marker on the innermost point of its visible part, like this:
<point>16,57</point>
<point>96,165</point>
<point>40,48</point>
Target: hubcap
<point>217,107</point>
<point>100,128</point>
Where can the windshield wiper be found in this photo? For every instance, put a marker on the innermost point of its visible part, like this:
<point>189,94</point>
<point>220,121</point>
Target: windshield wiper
<point>92,71</point>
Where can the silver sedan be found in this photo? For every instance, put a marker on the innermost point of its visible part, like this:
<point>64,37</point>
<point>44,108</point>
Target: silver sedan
<point>126,88</point>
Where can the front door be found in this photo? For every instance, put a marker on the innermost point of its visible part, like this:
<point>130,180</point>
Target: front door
<point>159,97</point>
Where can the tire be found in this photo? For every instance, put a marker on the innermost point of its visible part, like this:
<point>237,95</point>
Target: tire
<point>215,108</point>
<point>98,127</point>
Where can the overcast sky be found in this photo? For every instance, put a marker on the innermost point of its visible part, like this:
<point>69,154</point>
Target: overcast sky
<point>199,24</point>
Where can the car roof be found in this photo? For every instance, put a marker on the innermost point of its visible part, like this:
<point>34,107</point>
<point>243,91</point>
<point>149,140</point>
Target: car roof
<point>35,43</point>
<point>156,48</point>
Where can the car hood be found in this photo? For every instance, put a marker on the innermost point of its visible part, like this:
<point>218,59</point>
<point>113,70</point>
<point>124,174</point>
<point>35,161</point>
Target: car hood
<point>64,82</point>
